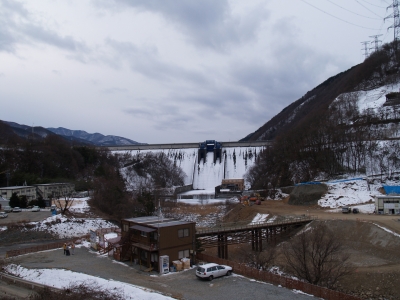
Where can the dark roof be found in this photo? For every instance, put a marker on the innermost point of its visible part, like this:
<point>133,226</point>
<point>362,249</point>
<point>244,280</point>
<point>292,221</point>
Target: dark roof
<point>154,221</point>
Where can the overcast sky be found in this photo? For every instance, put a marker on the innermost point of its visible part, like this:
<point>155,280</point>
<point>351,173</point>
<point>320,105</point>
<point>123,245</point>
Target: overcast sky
<point>168,71</point>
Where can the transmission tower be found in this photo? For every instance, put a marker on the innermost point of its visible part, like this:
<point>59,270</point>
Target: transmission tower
<point>365,48</point>
<point>376,41</point>
<point>396,21</point>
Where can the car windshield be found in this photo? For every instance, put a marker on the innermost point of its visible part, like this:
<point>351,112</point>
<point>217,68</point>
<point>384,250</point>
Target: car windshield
<point>200,269</point>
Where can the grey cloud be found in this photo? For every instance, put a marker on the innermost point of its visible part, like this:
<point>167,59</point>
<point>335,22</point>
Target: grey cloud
<point>18,27</point>
<point>166,114</point>
<point>114,90</point>
<point>145,61</point>
<point>207,23</point>
<point>37,33</point>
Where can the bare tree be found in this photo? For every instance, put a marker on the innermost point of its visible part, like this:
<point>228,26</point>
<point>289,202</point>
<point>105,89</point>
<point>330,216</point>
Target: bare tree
<point>64,202</point>
<point>317,256</point>
<point>256,259</point>
<point>79,291</point>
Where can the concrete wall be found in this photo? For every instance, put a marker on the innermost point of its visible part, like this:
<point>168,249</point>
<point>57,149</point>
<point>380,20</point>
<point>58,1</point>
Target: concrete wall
<point>183,189</point>
<point>186,145</point>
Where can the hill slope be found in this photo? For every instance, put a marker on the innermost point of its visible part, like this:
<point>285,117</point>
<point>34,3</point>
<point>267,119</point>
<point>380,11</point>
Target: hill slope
<point>380,69</point>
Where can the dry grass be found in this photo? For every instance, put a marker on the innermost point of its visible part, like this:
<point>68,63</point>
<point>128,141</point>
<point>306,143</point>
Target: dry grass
<point>202,210</point>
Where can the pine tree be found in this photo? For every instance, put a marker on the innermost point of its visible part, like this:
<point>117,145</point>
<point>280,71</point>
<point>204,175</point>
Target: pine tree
<point>14,200</point>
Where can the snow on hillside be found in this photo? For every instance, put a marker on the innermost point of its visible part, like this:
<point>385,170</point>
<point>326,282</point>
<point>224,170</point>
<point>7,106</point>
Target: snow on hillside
<point>349,193</point>
<point>357,193</point>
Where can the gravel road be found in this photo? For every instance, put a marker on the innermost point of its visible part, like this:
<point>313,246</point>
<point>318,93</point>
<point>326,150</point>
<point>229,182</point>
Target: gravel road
<point>181,285</point>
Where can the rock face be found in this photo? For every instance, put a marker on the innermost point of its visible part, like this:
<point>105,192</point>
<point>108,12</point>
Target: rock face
<point>307,194</point>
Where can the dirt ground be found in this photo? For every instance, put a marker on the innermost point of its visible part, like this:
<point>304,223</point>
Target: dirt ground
<point>374,252</point>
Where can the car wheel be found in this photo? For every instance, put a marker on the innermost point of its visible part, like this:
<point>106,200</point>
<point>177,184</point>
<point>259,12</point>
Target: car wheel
<point>229,273</point>
<point>210,278</point>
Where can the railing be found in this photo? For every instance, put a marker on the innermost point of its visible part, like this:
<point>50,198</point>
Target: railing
<point>245,225</point>
<point>276,279</point>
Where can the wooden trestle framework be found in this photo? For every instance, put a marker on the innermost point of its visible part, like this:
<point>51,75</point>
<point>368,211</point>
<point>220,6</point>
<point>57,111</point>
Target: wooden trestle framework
<point>240,233</point>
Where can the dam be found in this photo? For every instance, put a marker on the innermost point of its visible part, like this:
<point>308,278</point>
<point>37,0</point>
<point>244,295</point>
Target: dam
<point>204,173</point>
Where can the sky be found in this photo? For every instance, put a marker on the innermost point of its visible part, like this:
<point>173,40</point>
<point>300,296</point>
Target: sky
<point>171,71</point>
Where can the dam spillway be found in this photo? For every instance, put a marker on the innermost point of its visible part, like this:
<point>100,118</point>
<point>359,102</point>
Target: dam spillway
<point>204,174</point>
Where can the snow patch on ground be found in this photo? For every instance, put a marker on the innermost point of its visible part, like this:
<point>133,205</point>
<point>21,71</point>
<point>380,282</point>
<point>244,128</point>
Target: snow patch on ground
<point>68,227</point>
<point>259,218</point>
<point>63,278</point>
<point>387,230</point>
<point>80,205</point>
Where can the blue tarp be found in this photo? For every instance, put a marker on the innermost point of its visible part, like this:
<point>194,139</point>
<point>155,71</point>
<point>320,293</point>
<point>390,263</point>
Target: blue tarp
<point>391,189</point>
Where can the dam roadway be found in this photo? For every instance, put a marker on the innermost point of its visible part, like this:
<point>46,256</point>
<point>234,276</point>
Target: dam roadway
<point>186,145</point>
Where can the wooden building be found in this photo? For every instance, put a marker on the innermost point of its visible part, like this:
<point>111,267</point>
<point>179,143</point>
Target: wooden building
<point>145,239</point>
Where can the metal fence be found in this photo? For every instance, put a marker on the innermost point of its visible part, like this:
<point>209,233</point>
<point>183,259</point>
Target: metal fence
<point>276,279</point>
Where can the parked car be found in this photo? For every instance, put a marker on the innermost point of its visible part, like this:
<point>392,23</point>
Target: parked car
<point>356,210</point>
<point>346,210</point>
<point>7,209</point>
<point>3,215</point>
<point>35,208</point>
<point>211,271</point>
<point>16,209</point>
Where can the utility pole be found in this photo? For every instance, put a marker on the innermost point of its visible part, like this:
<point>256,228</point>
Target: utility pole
<point>365,48</point>
<point>376,41</point>
<point>396,21</point>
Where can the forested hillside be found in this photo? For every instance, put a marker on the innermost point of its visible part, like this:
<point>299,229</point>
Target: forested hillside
<point>349,124</point>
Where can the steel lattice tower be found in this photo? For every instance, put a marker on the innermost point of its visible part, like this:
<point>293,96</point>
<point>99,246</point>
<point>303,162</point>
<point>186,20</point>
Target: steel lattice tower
<point>396,23</point>
<point>376,41</point>
<point>365,48</point>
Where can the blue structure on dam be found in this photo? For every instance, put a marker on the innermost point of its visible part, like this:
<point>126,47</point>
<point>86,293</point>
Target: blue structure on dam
<point>209,146</point>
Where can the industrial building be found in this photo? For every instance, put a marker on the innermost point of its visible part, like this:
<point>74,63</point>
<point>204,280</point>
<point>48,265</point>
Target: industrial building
<point>387,205</point>
<point>28,191</point>
<point>54,190</point>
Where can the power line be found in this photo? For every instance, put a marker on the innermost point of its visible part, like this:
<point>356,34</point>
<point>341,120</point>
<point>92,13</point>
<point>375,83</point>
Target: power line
<point>373,4</point>
<point>368,9</point>
<point>337,17</point>
<point>353,11</point>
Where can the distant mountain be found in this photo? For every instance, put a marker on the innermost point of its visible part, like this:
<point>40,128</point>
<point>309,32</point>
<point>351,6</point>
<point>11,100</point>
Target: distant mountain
<point>97,139</point>
<point>24,131</point>
<point>12,130</point>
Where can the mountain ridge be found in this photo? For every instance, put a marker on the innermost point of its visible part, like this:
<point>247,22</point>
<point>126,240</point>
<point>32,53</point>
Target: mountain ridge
<point>20,131</point>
